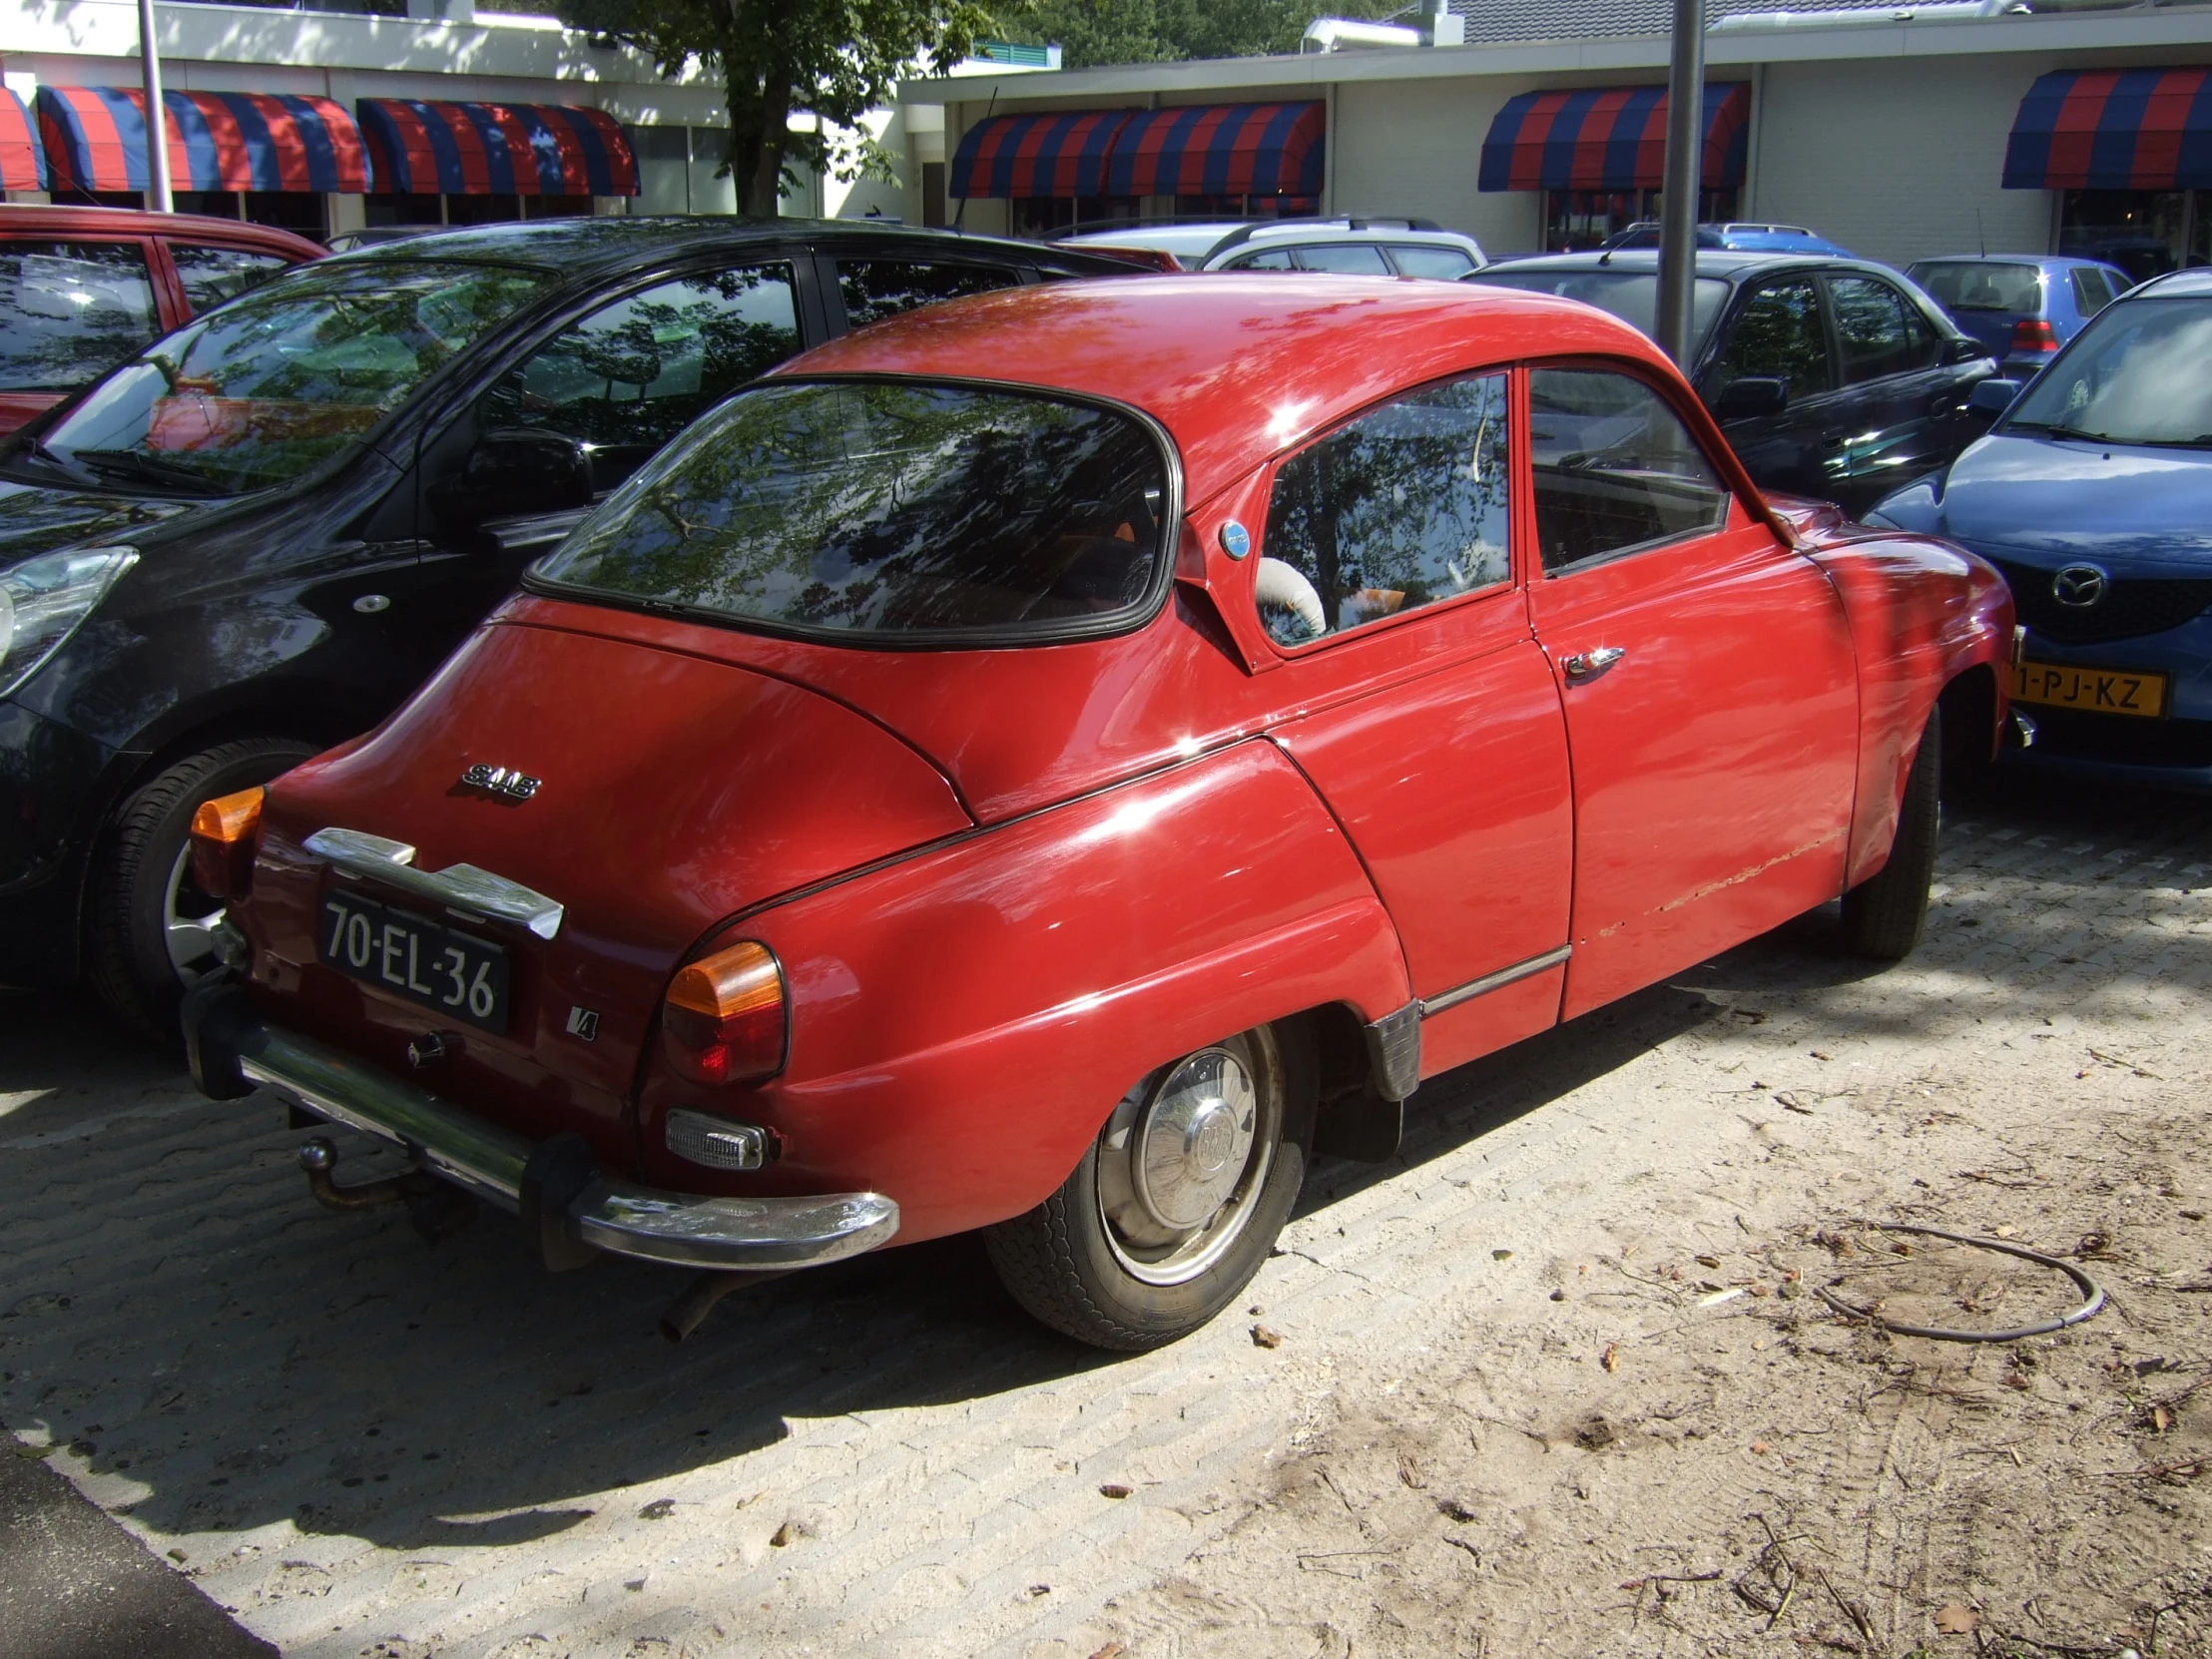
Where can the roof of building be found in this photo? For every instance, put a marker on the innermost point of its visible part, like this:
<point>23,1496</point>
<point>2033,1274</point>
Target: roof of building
<point>1497,22</point>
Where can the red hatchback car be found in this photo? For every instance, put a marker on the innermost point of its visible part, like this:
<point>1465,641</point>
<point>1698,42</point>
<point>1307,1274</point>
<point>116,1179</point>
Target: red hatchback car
<point>82,288</point>
<point>1058,762</point>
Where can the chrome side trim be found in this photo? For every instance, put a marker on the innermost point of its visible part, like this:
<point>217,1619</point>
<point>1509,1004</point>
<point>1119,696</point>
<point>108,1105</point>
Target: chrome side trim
<point>460,887</point>
<point>1494,981</point>
<point>622,1217</point>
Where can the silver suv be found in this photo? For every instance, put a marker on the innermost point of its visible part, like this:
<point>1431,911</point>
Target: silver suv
<point>1363,247</point>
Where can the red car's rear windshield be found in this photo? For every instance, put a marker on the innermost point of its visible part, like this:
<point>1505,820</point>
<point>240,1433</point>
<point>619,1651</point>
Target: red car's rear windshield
<point>893,511</point>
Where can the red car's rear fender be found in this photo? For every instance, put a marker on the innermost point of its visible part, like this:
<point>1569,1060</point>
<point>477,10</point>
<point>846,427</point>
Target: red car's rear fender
<point>962,1022</point>
<point>1923,615</point>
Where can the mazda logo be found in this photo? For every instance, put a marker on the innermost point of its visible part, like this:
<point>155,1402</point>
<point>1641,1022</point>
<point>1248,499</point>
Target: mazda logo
<point>2081,586</point>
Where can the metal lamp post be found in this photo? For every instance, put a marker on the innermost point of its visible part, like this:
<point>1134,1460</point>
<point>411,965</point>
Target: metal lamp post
<point>158,195</point>
<point>1685,147</point>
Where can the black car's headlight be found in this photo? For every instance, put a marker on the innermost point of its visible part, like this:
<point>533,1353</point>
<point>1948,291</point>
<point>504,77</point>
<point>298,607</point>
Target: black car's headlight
<point>44,600</point>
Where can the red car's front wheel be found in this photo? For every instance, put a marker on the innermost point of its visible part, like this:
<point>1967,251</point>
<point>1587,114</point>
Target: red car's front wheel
<point>1171,1210</point>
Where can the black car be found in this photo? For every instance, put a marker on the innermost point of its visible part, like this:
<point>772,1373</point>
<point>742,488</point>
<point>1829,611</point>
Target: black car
<point>254,539</point>
<point>1833,378</point>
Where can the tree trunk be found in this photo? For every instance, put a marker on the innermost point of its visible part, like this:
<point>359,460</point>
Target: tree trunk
<point>760,119</point>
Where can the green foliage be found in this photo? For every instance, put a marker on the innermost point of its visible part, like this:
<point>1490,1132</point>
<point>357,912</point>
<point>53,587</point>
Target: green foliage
<point>832,59</point>
<point>1091,32</point>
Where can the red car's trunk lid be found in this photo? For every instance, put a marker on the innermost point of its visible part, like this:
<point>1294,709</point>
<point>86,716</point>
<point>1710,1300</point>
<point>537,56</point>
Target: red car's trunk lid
<point>673,790</point>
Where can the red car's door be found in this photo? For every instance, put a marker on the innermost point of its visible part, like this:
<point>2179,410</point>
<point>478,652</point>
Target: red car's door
<point>1429,721</point>
<point>1710,686</point>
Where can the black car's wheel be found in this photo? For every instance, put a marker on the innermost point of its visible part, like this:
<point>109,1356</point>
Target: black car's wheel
<point>150,928</point>
<point>1171,1209</point>
<point>1883,914</point>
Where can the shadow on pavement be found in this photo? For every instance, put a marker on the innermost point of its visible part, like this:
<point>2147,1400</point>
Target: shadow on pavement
<point>223,1354</point>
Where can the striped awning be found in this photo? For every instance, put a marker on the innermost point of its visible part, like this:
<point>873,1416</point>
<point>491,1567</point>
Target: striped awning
<point>1037,155</point>
<point>1220,150</point>
<point>2114,129</point>
<point>429,149</point>
<point>1610,138</point>
<point>22,157</point>
<point>96,140</point>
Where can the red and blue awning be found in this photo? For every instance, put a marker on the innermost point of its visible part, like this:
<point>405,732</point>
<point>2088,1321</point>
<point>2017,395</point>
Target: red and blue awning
<point>1610,138</point>
<point>1221,149</point>
<point>1199,150</point>
<point>22,157</point>
<point>427,147</point>
<point>2114,129</point>
<point>95,138</point>
<point>1037,155</point>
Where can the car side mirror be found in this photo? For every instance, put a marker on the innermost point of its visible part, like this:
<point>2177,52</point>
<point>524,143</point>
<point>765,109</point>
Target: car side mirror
<point>1750,399</point>
<point>1993,396</point>
<point>518,470</point>
<point>1967,352</point>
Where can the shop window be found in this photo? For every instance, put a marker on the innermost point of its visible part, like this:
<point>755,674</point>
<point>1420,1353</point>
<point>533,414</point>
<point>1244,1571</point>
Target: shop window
<point>1575,220</point>
<point>1246,207</point>
<point>482,210</point>
<point>2146,233</point>
<point>1041,217</point>
<point>398,208</point>
<point>933,196</point>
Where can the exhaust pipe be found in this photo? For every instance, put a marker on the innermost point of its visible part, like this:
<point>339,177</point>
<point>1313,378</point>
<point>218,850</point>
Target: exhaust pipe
<point>690,1310</point>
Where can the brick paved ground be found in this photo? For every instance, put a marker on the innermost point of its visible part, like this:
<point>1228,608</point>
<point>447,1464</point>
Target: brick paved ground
<point>366,1446</point>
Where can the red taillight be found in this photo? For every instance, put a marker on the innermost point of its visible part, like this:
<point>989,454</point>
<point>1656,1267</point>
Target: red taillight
<point>224,831</point>
<point>723,1018</point>
<point>2035,334</point>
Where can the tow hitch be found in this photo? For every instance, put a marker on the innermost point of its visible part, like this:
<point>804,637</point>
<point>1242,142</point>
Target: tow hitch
<point>437,1208</point>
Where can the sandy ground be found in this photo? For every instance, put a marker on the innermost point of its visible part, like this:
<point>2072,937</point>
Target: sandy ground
<point>1559,1379</point>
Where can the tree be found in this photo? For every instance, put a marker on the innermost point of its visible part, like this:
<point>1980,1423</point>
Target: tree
<point>832,59</point>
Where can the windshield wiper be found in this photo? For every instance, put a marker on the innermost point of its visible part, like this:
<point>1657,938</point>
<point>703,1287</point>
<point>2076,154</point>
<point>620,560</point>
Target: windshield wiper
<point>2203,440</point>
<point>152,470</point>
<point>37,451</point>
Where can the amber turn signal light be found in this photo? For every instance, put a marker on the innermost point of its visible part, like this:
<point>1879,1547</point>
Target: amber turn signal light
<point>723,1018</point>
<point>224,832</point>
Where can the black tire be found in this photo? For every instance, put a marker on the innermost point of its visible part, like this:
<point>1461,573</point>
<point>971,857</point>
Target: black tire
<point>1073,1268</point>
<point>1885,914</point>
<point>127,946</point>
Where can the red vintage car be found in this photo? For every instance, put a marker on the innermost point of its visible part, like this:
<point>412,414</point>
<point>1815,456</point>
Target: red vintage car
<point>1059,762</point>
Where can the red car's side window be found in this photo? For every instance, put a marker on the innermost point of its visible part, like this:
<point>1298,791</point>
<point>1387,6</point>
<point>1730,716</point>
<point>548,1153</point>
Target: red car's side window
<point>1615,470</point>
<point>1407,505</point>
<point>70,311</point>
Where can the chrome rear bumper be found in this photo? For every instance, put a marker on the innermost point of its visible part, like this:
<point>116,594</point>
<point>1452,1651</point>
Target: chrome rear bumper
<point>233,1051</point>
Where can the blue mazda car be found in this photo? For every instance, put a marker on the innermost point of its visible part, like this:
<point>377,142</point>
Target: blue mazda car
<point>2093,494</point>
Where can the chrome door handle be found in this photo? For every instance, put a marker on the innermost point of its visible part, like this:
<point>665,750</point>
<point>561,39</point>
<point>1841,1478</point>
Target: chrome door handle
<point>1586,666</point>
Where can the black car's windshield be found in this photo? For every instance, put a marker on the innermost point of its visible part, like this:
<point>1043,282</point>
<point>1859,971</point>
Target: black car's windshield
<point>275,382</point>
<point>889,508</point>
<point>2141,372</point>
<point>1631,295</point>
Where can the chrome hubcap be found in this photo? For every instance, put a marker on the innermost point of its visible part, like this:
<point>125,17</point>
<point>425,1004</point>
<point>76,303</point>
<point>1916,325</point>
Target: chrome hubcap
<point>187,924</point>
<point>1181,1166</point>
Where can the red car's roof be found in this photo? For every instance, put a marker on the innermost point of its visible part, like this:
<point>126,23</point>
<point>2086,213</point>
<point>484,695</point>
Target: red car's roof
<point>1236,367</point>
<point>39,220</point>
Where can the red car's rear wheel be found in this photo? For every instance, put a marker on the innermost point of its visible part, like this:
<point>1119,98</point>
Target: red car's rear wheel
<point>1171,1209</point>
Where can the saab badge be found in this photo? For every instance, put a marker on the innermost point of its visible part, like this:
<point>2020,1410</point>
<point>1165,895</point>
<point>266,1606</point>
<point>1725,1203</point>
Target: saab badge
<point>583,1023</point>
<point>504,782</point>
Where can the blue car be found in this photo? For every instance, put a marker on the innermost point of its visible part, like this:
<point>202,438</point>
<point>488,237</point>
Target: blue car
<point>2093,494</point>
<point>2022,307</point>
<point>1733,238</point>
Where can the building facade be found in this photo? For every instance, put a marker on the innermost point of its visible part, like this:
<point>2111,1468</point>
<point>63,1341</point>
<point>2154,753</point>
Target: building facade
<point>1897,132</point>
